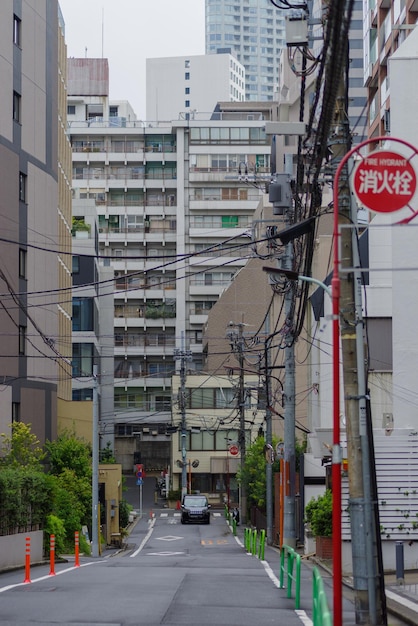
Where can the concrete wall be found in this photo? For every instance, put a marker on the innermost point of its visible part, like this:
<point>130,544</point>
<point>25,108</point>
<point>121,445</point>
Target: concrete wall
<point>13,549</point>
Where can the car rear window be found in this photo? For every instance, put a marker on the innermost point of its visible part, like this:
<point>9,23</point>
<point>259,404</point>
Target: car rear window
<point>195,501</point>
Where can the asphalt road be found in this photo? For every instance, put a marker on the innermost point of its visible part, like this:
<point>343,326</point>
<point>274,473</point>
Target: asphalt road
<point>170,574</point>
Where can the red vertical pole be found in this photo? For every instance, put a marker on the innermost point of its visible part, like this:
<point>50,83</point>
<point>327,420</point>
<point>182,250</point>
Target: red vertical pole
<point>27,561</point>
<point>77,548</point>
<point>52,555</point>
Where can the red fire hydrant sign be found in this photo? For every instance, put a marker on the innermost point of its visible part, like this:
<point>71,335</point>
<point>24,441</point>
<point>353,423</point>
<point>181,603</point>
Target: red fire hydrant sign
<point>384,181</point>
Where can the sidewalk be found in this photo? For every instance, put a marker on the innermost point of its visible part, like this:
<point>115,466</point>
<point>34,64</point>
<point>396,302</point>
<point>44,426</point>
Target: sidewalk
<point>401,600</point>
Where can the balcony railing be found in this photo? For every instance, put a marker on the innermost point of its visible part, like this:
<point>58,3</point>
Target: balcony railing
<point>144,340</point>
<point>148,312</point>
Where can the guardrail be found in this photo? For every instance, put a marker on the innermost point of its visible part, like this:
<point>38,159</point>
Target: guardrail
<point>321,614</point>
<point>291,576</point>
<point>290,568</point>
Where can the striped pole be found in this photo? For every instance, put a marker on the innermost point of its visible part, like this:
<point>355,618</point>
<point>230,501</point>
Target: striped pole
<point>77,548</point>
<point>27,561</point>
<point>52,555</point>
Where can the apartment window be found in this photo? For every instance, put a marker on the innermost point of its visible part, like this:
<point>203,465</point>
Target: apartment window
<point>22,263</point>
<point>70,109</point>
<point>83,314</point>
<point>187,103</point>
<point>113,111</point>
<point>187,63</point>
<point>82,394</point>
<point>187,91</point>
<point>16,106</point>
<point>187,76</point>
<point>82,359</point>
<point>22,187</point>
<point>17,23</point>
<point>76,264</point>
<point>22,339</point>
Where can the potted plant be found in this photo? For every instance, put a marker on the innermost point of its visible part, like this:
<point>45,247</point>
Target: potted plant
<point>318,514</point>
<point>79,227</point>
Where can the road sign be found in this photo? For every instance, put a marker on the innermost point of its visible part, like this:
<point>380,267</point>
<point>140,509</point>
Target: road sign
<point>139,482</point>
<point>139,474</point>
<point>384,181</point>
<point>233,449</point>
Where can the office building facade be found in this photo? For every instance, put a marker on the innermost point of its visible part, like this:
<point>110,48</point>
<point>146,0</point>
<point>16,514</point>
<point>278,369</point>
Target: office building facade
<point>34,217</point>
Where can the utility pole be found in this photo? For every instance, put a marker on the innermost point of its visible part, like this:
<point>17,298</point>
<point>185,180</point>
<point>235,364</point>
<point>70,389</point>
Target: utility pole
<point>183,355</point>
<point>369,599</point>
<point>281,198</point>
<point>269,437</point>
<point>95,464</point>
<point>235,336</point>
<point>289,530</point>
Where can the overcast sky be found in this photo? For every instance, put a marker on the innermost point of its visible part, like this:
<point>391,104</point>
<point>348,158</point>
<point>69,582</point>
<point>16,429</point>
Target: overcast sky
<point>133,30</point>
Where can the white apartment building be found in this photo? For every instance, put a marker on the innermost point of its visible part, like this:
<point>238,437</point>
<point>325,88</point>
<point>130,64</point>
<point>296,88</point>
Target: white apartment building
<point>254,32</point>
<point>175,202</point>
<point>180,87</point>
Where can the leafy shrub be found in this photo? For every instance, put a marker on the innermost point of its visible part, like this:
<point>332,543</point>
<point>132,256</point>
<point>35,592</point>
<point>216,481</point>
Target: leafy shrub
<point>318,514</point>
<point>124,509</point>
<point>54,526</point>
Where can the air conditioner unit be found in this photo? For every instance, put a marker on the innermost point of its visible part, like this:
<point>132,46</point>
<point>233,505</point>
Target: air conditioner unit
<point>154,433</point>
<point>145,430</point>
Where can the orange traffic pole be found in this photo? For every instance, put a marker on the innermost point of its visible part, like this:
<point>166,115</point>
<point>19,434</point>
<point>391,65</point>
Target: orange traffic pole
<point>77,548</point>
<point>27,561</point>
<point>52,555</point>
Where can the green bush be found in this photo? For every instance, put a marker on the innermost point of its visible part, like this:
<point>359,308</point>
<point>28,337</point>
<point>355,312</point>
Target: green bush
<point>124,509</point>
<point>318,514</point>
<point>174,494</point>
<point>54,526</point>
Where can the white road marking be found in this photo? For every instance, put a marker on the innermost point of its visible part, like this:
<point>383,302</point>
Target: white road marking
<point>145,539</point>
<point>169,538</point>
<point>37,580</point>
<point>304,618</point>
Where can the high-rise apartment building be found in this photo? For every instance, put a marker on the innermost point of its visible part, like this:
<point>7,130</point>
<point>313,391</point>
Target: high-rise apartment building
<point>34,218</point>
<point>254,32</point>
<point>180,87</point>
<point>386,26</point>
<point>175,202</point>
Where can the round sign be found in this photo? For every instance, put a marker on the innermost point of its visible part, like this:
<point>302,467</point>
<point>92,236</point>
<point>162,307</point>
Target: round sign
<point>233,449</point>
<point>384,181</point>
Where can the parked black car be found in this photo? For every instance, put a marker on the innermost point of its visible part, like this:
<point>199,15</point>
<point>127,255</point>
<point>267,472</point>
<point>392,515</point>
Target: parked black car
<point>195,508</point>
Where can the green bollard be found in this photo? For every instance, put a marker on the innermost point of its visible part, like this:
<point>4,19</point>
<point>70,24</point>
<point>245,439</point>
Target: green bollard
<point>262,544</point>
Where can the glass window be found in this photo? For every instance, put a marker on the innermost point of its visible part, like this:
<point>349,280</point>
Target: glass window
<point>70,109</point>
<point>16,106</point>
<point>201,398</point>
<point>22,263</point>
<point>22,187</point>
<point>16,30</point>
<point>83,317</point>
<point>22,339</point>
<point>76,264</point>
<point>82,359</point>
<point>187,76</point>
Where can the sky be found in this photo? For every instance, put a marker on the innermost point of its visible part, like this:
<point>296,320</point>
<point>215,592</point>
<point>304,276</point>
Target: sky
<point>127,32</point>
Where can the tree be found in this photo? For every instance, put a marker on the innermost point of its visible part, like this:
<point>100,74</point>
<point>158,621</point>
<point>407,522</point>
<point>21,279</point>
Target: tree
<point>69,452</point>
<point>253,475</point>
<point>21,448</point>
